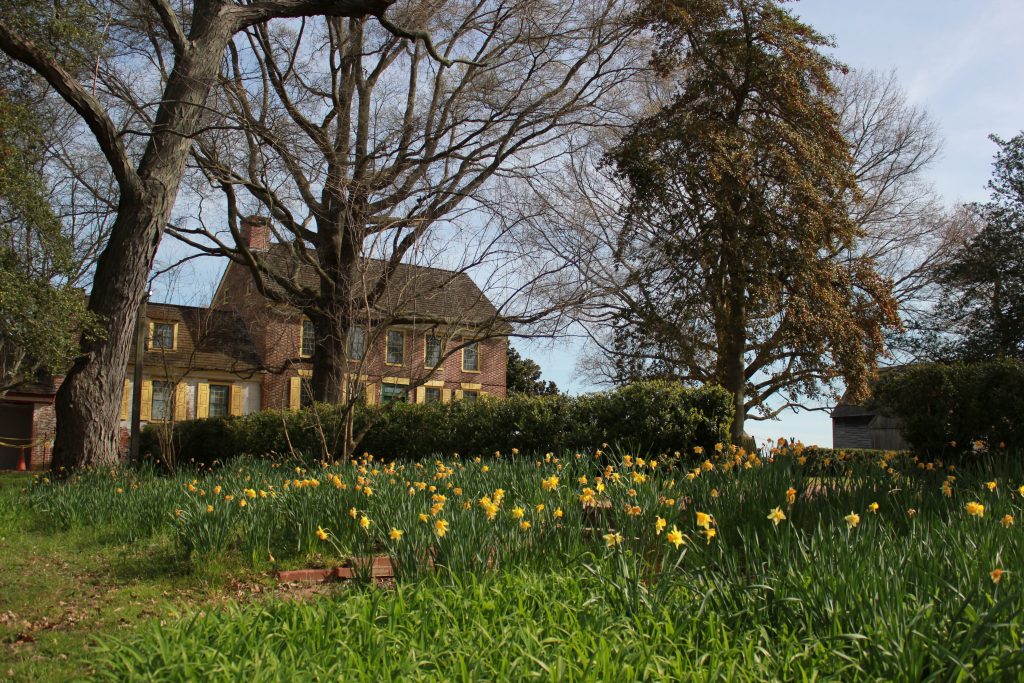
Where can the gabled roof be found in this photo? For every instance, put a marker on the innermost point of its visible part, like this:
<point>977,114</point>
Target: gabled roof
<point>208,339</point>
<point>413,293</point>
<point>848,409</point>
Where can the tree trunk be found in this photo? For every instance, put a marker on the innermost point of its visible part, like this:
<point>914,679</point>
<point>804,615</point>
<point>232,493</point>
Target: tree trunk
<point>88,403</point>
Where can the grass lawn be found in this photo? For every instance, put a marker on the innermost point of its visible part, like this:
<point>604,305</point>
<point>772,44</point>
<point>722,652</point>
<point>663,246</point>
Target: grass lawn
<point>589,567</point>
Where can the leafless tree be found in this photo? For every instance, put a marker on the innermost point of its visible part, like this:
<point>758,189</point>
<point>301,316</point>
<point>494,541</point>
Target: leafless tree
<point>143,103</point>
<point>368,154</point>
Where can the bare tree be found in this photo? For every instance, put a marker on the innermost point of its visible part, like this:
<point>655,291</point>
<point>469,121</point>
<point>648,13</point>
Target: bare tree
<point>143,102</point>
<point>369,155</point>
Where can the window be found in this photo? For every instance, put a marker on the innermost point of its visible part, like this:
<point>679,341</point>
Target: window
<point>432,395</point>
<point>470,395</point>
<point>471,357</point>
<point>220,399</point>
<point>162,336</point>
<point>432,351</point>
<point>396,347</point>
<point>393,393</point>
<point>162,397</point>
<point>307,339</point>
<point>356,343</point>
<point>305,392</point>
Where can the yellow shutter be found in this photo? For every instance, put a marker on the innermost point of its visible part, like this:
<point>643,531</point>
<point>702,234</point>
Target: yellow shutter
<point>202,401</point>
<point>146,413</point>
<point>126,400</point>
<point>149,339</point>
<point>181,401</point>
<point>174,341</point>
<point>458,394</point>
<point>236,399</point>
<point>446,395</point>
<point>294,393</point>
<point>421,394</point>
<point>371,394</point>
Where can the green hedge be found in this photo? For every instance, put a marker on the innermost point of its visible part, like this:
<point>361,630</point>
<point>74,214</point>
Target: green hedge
<point>947,403</point>
<point>651,417</point>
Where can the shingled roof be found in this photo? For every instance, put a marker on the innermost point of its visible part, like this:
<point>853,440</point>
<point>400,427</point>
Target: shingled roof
<point>208,339</point>
<point>413,293</point>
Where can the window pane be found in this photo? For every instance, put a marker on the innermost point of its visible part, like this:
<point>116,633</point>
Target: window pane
<point>220,395</point>
<point>396,347</point>
<point>471,357</point>
<point>393,393</point>
<point>162,400</point>
<point>356,343</point>
<point>163,336</point>
<point>308,338</point>
<point>305,392</point>
<point>432,395</point>
<point>432,356</point>
<point>470,395</point>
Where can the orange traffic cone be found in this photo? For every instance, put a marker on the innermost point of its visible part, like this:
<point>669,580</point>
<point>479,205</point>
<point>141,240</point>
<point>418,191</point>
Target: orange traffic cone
<point>21,460</point>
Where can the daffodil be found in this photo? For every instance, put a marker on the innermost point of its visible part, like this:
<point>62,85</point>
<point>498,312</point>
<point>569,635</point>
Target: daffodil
<point>709,533</point>
<point>659,525</point>
<point>364,522</point>
<point>440,528</point>
<point>991,486</point>
<point>321,534</point>
<point>790,495</point>
<point>524,525</point>
<point>1007,521</point>
<point>975,509</point>
<point>852,519</point>
<point>996,575</point>
<point>558,513</point>
<point>518,512</point>
<point>704,520</point>
<point>612,539</point>
<point>395,534</point>
<point>873,507</point>
<point>675,537</point>
<point>777,515</point>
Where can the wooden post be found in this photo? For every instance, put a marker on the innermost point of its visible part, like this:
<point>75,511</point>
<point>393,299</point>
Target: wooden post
<point>140,354</point>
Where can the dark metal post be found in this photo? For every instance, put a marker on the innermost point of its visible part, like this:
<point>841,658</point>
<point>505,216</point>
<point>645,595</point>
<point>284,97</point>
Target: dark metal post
<point>141,332</point>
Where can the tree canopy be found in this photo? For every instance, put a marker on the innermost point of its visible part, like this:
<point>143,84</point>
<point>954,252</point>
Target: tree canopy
<point>739,238</point>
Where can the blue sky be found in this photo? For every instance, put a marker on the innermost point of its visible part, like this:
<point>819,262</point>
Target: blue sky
<point>962,61</point>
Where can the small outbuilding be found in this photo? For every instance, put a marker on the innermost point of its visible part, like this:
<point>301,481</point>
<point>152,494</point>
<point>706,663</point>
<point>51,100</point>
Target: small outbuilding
<point>854,426</point>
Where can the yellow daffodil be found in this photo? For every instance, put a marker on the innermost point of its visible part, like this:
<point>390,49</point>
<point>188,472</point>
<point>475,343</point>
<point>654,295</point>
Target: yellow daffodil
<point>659,525</point>
<point>440,528</point>
<point>209,508</point>
<point>524,525</point>
<point>395,534</point>
<point>321,534</point>
<point>790,495</point>
<point>975,509</point>
<point>675,537</point>
<point>1007,521</point>
<point>424,518</point>
<point>612,539</point>
<point>776,515</point>
<point>352,513</point>
<point>852,519</point>
<point>364,522</point>
<point>873,507</point>
<point>704,520</point>
<point>518,512</point>
<point>242,503</point>
<point>991,486</point>
<point>709,533</point>
<point>558,513</point>
<point>996,575</point>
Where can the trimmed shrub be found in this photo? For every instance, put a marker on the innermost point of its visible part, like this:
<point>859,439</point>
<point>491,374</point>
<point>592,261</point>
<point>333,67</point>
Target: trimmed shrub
<point>647,417</point>
<point>956,403</point>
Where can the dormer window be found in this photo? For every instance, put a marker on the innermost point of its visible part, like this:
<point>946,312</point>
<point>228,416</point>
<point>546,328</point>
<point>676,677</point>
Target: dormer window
<point>162,335</point>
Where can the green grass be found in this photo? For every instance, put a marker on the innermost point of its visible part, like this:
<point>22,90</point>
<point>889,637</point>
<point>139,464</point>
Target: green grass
<point>907,594</point>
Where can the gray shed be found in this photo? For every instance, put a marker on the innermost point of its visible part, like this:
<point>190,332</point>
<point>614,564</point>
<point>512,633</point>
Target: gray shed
<point>855,426</point>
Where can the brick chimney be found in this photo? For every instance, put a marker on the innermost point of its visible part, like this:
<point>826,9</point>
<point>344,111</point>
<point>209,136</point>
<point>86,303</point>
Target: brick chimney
<point>256,232</point>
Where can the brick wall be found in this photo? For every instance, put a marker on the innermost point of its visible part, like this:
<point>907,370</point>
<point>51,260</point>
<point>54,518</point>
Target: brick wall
<point>44,426</point>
